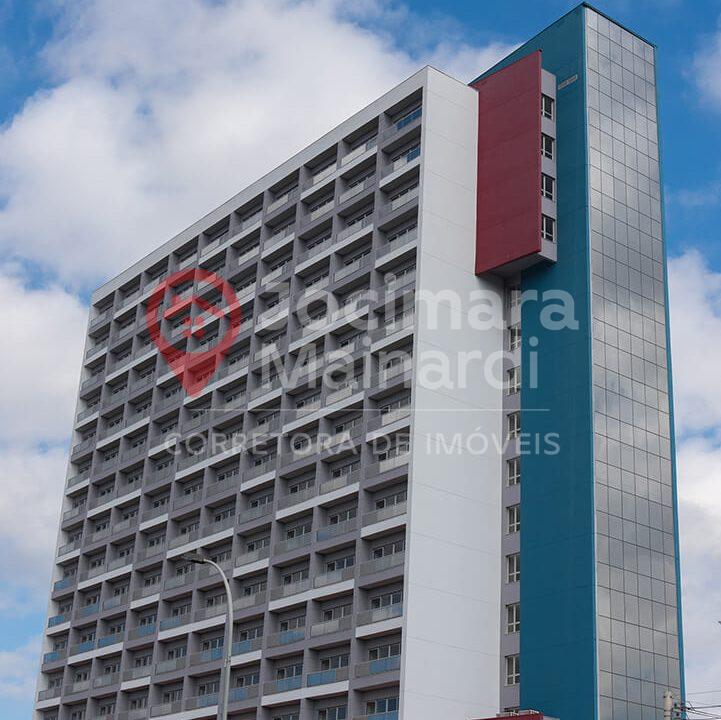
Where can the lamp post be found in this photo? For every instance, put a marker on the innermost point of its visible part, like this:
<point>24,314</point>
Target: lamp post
<point>224,690</point>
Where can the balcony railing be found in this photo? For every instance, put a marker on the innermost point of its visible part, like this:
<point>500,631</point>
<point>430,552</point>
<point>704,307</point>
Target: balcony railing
<point>243,693</point>
<point>354,227</point>
<point>385,513</point>
<point>254,513</point>
<point>249,601</point>
<point>321,210</point>
<point>168,666</point>
<point>262,468</point>
<point>390,463</point>
<point>58,619</point>
<point>54,656</point>
<point>283,685</point>
<point>402,198</point>
<point>341,528</point>
<point>142,631</point>
<point>379,614</point>
<point>248,254</point>
<point>325,677</point>
<point>376,667</point>
<point>253,556</point>
<point>358,188</point>
<point>357,264</point>
<point>82,647</point>
<point>49,693</point>
<point>294,588</point>
<point>283,199</point>
<point>324,173</point>
<point>403,160</point>
<point>360,150</point>
<point>334,576</point>
<point>294,498</point>
<point>331,626</point>
<point>293,543</point>
<point>285,637</point>
<point>383,563</point>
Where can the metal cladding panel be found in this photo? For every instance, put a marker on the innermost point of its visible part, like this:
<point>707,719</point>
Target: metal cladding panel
<point>508,219</point>
<point>558,636</point>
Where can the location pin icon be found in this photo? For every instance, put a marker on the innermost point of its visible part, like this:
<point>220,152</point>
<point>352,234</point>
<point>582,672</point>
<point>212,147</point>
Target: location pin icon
<point>193,368</point>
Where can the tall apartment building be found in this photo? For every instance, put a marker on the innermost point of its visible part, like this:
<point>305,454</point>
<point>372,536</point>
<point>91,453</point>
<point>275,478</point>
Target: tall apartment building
<point>407,535</point>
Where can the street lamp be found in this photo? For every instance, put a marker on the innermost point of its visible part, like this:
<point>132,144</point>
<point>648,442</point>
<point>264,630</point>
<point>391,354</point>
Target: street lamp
<point>224,690</point>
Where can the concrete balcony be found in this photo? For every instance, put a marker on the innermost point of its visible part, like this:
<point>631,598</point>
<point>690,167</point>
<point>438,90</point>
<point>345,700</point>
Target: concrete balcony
<point>252,557</point>
<point>390,463</point>
<point>379,614</point>
<point>386,513</point>
<point>49,693</point>
<point>250,601</point>
<point>254,513</point>
<point>285,637</point>
<point>396,560</point>
<point>167,666</point>
<point>295,588</point>
<point>293,543</point>
<point>334,576</point>
<point>337,483</point>
<point>281,200</point>
<point>403,124</point>
<point>331,626</point>
<point>356,189</point>
<point>352,228</point>
<point>142,631</point>
<point>332,531</point>
<point>294,498</point>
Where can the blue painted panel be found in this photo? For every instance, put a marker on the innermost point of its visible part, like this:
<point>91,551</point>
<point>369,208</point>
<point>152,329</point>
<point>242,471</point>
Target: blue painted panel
<point>558,631</point>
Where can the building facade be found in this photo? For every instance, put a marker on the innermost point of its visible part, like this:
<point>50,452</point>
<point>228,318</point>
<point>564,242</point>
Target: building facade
<point>411,390</point>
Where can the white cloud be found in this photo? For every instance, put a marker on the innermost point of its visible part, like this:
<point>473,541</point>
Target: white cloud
<point>145,130</point>
<point>707,68</point>
<point>699,470</point>
<point>700,197</point>
<point>695,292</point>
<point>43,338</point>
<point>18,670</point>
<point>29,511</point>
<point>695,303</point>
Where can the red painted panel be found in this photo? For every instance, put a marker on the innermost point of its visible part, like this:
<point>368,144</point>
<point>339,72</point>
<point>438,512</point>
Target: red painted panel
<point>508,220</point>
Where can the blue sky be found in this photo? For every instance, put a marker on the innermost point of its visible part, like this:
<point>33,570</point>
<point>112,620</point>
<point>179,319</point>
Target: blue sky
<point>112,139</point>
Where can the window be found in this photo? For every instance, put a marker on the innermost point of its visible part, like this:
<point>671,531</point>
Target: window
<point>382,705</point>
<point>547,106</point>
<point>337,712</point>
<point>548,228</point>
<point>513,670</point>
<point>386,600</point>
<point>337,612</point>
<point>514,424</point>
<point>513,380</point>
<point>513,568</point>
<point>514,518</point>
<point>514,471</point>
<point>513,618</point>
<point>548,186</point>
<point>384,651</point>
<point>513,296</point>
<point>547,146</point>
<point>333,662</point>
<point>514,337</point>
<point>347,561</point>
